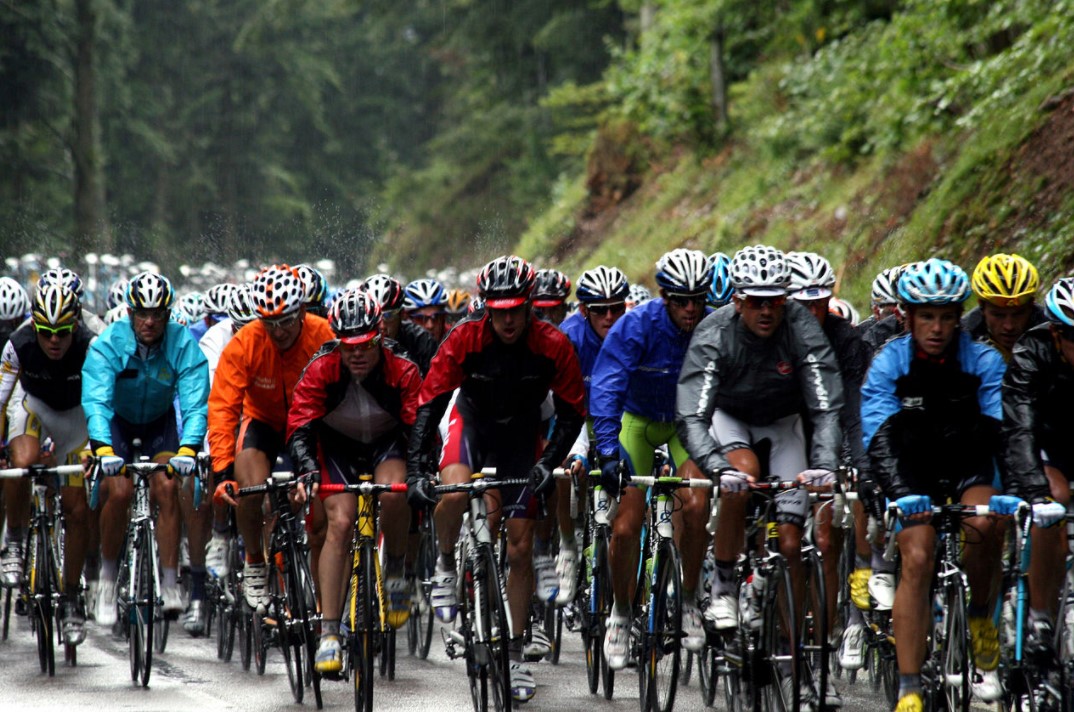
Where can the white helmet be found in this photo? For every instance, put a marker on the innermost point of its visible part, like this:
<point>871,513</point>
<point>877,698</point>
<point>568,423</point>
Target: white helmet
<point>217,298</point>
<point>116,313</point>
<point>55,304</point>
<point>684,271</point>
<point>117,294</point>
<point>811,276</point>
<point>761,271</point>
<point>240,308</point>
<point>13,300</point>
<point>192,305</point>
<point>602,284</point>
<point>843,308</point>
<point>639,294</point>
<point>149,290</point>
<point>886,287</point>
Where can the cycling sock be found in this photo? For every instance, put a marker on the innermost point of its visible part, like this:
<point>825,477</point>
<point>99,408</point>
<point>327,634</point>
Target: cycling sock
<point>220,527</point>
<point>92,566</point>
<point>255,558</point>
<point>168,577</point>
<point>15,538</point>
<point>861,562</point>
<point>393,567</point>
<point>909,684</point>
<point>689,598</point>
<point>329,628</point>
<point>514,649</point>
<point>723,583</point>
<point>856,617</point>
<point>197,583</point>
<point>108,570</point>
<point>447,561</point>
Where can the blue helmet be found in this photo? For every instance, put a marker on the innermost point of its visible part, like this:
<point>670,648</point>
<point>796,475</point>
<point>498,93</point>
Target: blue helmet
<point>1060,302</point>
<point>721,290</point>
<point>424,293</point>
<point>934,282</point>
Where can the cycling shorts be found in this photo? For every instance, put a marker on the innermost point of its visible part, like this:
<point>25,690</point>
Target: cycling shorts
<point>786,457</point>
<point>159,437</point>
<point>511,448</point>
<point>258,435</point>
<point>27,415</point>
<point>343,459</point>
<point>941,490</point>
<point>639,437</point>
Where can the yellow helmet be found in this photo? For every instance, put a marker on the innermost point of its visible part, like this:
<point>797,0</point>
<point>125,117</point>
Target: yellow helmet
<point>1005,280</point>
<point>457,301</point>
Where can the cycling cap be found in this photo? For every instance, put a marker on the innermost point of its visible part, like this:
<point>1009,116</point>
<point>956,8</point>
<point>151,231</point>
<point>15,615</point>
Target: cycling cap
<point>761,271</point>
<point>506,282</point>
<point>240,306</point>
<point>457,301</point>
<point>63,276</point>
<point>886,287</point>
<point>117,294</point>
<point>277,291</point>
<point>843,308</point>
<point>314,285</point>
<point>639,294</point>
<point>551,288</point>
<point>114,314</point>
<point>1005,280</point>
<point>684,271</point>
<point>149,290</point>
<point>13,300</point>
<point>355,317</point>
<point>602,284</point>
<point>386,290</point>
<point>424,293</point>
<point>1060,302</point>
<point>811,276</point>
<point>192,305</point>
<point>934,281</point>
<point>55,305</point>
<point>720,290</point>
<point>218,297</point>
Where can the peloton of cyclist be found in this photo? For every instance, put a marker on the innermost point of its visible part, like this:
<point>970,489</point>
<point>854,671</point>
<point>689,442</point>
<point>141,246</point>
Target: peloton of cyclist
<point>550,295</point>
<point>1006,286</point>
<point>425,303</point>
<point>412,341</point>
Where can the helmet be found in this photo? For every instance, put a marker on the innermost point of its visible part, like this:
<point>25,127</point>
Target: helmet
<point>315,286</point>
<point>277,291</point>
<point>760,271</point>
<point>117,294</point>
<point>811,275</point>
<point>1005,280</point>
<point>506,282</point>
<point>192,305</point>
<point>934,281</point>
<point>457,301</point>
<point>149,290</point>
<point>114,314</point>
<point>218,297</point>
<point>424,293</point>
<point>886,287</point>
<point>602,284</point>
<point>639,294</point>
<point>64,276</point>
<point>1060,302</point>
<point>13,300</point>
<point>551,288</point>
<point>355,317</point>
<point>720,290</point>
<point>240,306</point>
<point>477,306</point>
<point>387,291</point>
<point>684,271</point>
<point>55,305</point>
<point>843,308</point>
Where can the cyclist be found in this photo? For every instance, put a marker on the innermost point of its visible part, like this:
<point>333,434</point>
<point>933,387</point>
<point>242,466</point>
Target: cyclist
<point>721,290</point>
<point>883,298</point>
<point>413,342</point>
<point>503,365</point>
<point>633,400</point>
<point>14,305</point>
<point>457,302</point>
<point>215,304</point>
<point>351,413</point>
<point>191,308</point>
<point>248,404</point>
<point>130,378</point>
<point>1005,286</point>
<point>756,374</point>
<point>315,290</point>
<point>45,361</point>
<point>1037,455</point>
<point>73,282</point>
<point>890,320</point>
<point>424,302</point>
<point>550,295</point>
<point>602,293</point>
<point>930,421</point>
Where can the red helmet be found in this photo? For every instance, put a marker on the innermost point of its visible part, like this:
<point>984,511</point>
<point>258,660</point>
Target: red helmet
<point>355,317</point>
<point>506,282</point>
<point>551,288</point>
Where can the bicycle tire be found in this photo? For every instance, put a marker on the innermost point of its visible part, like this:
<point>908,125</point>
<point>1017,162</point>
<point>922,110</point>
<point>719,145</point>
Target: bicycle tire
<point>601,605</point>
<point>363,582</point>
<point>421,619</point>
<point>223,624</point>
<point>662,641</point>
<point>780,644</point>
<point>41,592</point>
<point>707,675</point>
<point>493,630</point>
<point>147,599</point>
<point>161,627</point>
<point>258,642</point>
<point>813,626</point>
<point>245,634</point>
<point>956,665</point>
<point>8,595</point>
<point>308,627</point>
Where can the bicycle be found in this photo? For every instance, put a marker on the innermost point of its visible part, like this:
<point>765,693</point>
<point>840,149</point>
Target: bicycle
<point>42,577</point>
<point>224,596</point>
<point>419,626</point>
<point>290,620</point>
<point>596,602</point>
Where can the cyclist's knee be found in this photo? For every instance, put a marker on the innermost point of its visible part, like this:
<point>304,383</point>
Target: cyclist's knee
<point>790,542</point>
<point>916,562</point>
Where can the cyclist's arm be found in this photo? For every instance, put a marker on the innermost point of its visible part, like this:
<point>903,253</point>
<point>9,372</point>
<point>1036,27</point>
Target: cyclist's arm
<point>568,396</point>
<point>856,363</point>
<point>1023,468</point>
<point>695,397</point>
<point>99,371</point>
<point>225,403</point>
<point>307,408</point>
<point>9,376</point>
<point>618,358</point>
<point>879,407</point>
<point>821,384</point>
<point>193,389</point>
<point>445,375</point>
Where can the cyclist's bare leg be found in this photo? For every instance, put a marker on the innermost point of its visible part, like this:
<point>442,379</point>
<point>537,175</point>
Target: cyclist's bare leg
<point>164,493</point>
<point>829,540</point>
<point>862,547</point>
<point>730,528</point>
<point>563,509</point>
<point>623,550</point>
<point>450,508</point>
<point>198,521</point>
<point>252,467</point>
<point>910,616</point>
<point>24,450</point>
<point>341,510</point>
<point>1046,566</point>
<point>76,522</point>
<point>394,512</point>
<point>520,533</point>
<point>690,535</point>
<point>983,550</point>
<point>116,493</point>
<point>316,531</point>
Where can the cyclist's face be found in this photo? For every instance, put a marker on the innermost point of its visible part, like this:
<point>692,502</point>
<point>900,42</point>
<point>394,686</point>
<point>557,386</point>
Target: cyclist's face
<point>933,328</point>
<point>284,332</point>
<point>603,316</point>
<point>362,358</point>
<point>391,320</point>
<point>432,319</point>
<point>149,324</point>
<point>1006,324</point>
<point>55,344</point>
<point>509,324</point>
<point>1066,342</point>
<point>817,307</point>
<point>555,314</point>
<point>760,315</point>
<point>685,312</point>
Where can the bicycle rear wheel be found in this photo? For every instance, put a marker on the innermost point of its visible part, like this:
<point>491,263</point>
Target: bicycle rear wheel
<point>813,630</point>
<point>707,675</point>
<point>364,626</point>
<point>662,642</point>
<point>41,595</point>
<point>600,602</point>
<point>420,623</point>
<point>246,636</point>
<point>780,679</point>
<point>956,664</point>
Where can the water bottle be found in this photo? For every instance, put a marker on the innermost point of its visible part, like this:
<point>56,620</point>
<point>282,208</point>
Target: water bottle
<point>756,602</point>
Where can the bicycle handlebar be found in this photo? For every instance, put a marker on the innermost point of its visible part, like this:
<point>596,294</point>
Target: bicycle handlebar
<point>363,488</point>
<point>13,473</point>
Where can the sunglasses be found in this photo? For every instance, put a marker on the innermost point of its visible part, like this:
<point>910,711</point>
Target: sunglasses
<point>59,331</point>
<point>427,318</point>
<point>605,309</point>
<point>159,314</point>
<point>364,346</point>
<point>751,302</point>
<point>390,313</point>
<point>282,323</point>
<point>685,300</point>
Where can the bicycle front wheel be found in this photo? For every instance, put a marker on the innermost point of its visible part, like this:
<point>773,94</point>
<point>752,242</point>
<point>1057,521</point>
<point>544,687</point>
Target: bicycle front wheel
<point>956,664</point>
<point>420,623</point>
<point>662,642</point>
<point>492,630</point>
<point>41,593</point>
<point>781,676</point>
<point>813,631</point>
<point>361,604</point>
<point>146,599</point>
